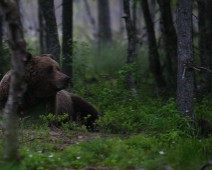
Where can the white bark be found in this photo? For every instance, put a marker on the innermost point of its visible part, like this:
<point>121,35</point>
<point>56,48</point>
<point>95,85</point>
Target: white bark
<point>17,86</point>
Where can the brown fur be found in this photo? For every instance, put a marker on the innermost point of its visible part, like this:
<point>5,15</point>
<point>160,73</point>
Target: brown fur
<point>45,83</point>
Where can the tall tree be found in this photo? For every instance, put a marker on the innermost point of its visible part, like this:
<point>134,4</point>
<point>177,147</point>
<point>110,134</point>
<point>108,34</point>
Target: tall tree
<point>53,46</point>
<point>185,75</point>
<point>92,20</point>
<point>170,42</point>
<point>205,51</point>
<point>104,31</point>
<point>154,61</point>
<point>67,43</point>
<point>130,27</point>
<point>42,39</point>
<point>17,85</point>
<point>1,47</point>
<point>134,15</point>
<point>121,22</point>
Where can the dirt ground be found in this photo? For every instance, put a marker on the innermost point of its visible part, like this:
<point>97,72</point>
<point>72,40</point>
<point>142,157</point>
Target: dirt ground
<point>60,138</point>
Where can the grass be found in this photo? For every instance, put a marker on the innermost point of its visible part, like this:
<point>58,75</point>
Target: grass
<point>145,132</point>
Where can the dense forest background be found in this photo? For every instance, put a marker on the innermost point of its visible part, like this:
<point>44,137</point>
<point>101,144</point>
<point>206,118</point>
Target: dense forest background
<point>145,64</point>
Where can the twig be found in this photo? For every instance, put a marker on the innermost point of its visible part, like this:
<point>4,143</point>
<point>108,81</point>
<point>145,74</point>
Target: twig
<point>203,68</point>
<point>209,163</point>
<point>32,139</point>
<point>186,66</point>
<point>184,70</point>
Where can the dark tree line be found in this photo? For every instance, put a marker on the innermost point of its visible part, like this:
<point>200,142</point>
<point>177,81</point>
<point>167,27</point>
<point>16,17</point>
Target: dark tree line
<point>176,72</point>
<point>162,67</point>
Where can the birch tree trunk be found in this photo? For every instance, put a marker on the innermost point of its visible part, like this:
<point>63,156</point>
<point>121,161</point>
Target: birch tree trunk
<point>17,85</point>
<point>185,76</point>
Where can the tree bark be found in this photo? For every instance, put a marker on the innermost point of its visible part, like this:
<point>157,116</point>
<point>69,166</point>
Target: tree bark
<point>134,14</point>
<point>130,27</point>
<point>1,48</point>
<point>170,42</point>
<point>17,85</point>
<point>67,43</point>
<point>92,20</point>
<point>205,34</point>
<point>154,61</point>
<point>42,41</point>
<point>185,76</point>
<point>121,22</point>
<point>104,31</point>
<point>53,45</point>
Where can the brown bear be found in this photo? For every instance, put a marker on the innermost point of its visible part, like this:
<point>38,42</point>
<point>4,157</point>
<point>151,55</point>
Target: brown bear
<point>45,84</point>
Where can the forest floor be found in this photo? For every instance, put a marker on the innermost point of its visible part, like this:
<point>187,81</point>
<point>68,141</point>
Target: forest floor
<point>60,139</point>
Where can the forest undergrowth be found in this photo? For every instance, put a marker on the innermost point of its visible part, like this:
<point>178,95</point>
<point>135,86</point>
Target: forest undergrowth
<point>146,132</point>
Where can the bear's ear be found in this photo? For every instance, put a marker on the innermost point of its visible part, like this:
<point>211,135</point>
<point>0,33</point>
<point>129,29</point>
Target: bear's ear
<point>47,55</point>
<point>27,57</point>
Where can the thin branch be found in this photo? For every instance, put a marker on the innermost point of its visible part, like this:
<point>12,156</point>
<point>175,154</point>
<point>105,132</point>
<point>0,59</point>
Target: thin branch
<point>190,65</point>
<point>209,163</point>
<point>30,140</point>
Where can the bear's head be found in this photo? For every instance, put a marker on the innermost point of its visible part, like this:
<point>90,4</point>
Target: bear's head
<point>43,75</point>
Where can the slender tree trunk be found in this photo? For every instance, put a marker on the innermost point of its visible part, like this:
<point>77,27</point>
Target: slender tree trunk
<point>170,42</point>
<point>130,27</point>
<point>92,20</point>
<point>53,46</point>
<point>42,41</point>
<point>152,8</point>
<point>17,84</point>
<point>121,24</point>
<point>134,13</point>
<point>67,43</point>
<point>1,48</point>
<point>105,33</point>
<point>185,76</point>
<point>154,61</point>
<point>203,86</point>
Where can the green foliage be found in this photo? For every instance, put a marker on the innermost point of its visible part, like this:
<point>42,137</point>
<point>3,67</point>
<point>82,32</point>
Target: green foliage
<point>153,134</point>
<point>89,64</point>
<point>189,153</point>
<point>114,153</point>
<point>137,115</point>
<point>144,132</point>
